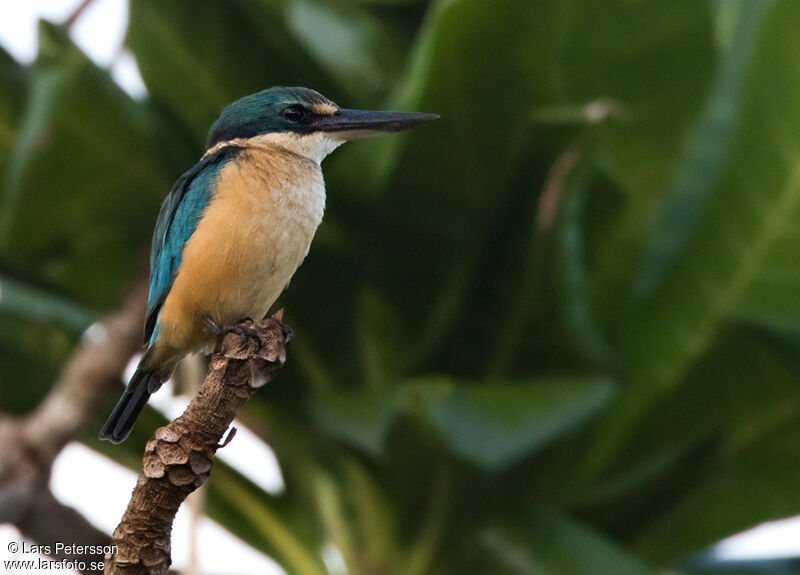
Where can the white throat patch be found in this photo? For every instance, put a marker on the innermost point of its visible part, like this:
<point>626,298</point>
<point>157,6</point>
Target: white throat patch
<point>314,146</point>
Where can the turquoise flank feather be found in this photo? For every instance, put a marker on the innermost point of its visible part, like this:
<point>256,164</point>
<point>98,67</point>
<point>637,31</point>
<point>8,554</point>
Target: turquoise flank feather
<point>177,221</point>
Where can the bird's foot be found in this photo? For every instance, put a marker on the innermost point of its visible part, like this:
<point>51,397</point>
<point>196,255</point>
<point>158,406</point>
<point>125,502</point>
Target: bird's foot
<point>244,328</point>
<point>246,338</point>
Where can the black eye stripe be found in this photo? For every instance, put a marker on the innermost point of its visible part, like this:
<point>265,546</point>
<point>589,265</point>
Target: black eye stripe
<point>298,114</point>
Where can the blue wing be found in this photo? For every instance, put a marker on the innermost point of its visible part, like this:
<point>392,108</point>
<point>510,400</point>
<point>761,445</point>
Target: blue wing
<point>177,221</point>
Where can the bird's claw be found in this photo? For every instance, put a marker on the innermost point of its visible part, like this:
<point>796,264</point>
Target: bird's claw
<point>245,330</point>
<point>288,332</point>
<point>212,326</point>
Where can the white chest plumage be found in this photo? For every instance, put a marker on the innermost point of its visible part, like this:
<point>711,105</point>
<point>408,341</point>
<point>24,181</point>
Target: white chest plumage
<point>284,214</point>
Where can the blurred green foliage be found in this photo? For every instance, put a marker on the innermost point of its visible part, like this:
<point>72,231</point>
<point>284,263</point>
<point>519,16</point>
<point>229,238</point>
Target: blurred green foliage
<point>553,333</point>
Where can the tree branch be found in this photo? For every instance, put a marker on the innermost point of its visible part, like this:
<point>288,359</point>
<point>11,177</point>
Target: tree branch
<point>77,13</point>
<point>83,385</point>
<point>178,458</point>
<point>28,445</point>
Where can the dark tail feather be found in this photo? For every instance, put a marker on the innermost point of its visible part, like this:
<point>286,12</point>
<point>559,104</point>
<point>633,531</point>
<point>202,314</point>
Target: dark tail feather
<point>130,405</point>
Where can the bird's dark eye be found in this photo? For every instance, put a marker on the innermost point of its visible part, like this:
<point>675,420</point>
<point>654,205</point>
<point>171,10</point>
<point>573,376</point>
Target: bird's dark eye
<point>297,114</point>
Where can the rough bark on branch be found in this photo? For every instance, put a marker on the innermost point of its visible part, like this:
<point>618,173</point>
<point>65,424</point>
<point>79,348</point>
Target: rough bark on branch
<point>179,456</point>
<point>28,445</point>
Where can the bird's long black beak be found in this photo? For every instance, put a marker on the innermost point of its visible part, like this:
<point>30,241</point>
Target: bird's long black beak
<point>356,124</point>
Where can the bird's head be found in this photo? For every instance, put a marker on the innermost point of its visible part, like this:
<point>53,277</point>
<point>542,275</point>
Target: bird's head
<point>303,121</point>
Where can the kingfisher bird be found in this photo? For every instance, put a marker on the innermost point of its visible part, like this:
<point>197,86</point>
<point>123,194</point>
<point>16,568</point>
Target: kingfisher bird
<point>236,226</point>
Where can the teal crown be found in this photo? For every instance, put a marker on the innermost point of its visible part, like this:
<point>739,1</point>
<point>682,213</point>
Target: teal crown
<point>277,109</point>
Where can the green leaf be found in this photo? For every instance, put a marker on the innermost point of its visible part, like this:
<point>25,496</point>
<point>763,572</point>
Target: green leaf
<point>351,43</point>
<point>381,350</point>
<point>680,440</point>
<point>430,211</point>
<point>479,64</point>
<point>570,287</point>
<point>655,64</point>
<point>291,551</point>
<point>84,181</point>
<point>14,79</point>
<point>496,425</point>
<point>545,542</point>
<point>391,2</point>
<point>372,516</point>
<point>30,303</point>
<point>490,425</point>
<point>198,56</point>
<point>738,264</point>
<point>30,356</point>
<point>695,176</point>
<point>743,567</point>
<point>751,483</point>
<point>360,418</point>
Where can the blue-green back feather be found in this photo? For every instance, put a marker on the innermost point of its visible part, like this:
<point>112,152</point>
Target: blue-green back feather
<point>181,211</point>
